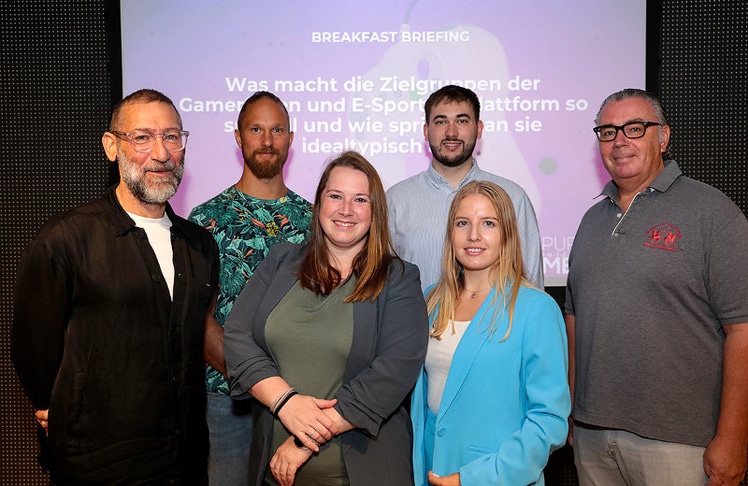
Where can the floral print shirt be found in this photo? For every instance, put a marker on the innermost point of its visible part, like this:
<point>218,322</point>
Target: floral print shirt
<point>245,228</point>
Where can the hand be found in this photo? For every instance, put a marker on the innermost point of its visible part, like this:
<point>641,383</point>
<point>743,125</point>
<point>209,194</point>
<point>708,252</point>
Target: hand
<point>42,417</point>
<point>303,416</point>
<point>724,462</point>
<point>570,436</point>
<point>287,460</point>
<point>341,424</point>
<point>451,480</point>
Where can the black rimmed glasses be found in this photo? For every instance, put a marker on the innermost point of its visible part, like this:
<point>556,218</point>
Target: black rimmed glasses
<point>142,140</point>
<point>637,129</point>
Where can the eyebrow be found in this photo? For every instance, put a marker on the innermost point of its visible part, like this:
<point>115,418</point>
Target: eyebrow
<point>153,130</point>
<point>460,115</point>
<point>624,123</point>
<point>343,190</point>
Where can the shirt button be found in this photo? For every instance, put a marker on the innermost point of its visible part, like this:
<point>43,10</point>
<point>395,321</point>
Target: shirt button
<point>618,215</point>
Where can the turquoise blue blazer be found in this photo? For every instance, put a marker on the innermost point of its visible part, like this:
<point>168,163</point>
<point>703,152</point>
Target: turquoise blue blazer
<point>505,404</point>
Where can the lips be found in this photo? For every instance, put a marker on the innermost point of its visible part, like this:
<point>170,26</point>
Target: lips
<point>472,251</point>
<point>161,169</point>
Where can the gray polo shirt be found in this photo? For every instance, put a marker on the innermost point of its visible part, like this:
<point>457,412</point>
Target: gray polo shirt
<point>650,291</point>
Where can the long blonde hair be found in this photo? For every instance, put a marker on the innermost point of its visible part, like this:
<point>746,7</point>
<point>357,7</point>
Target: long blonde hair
<point>506,270</point>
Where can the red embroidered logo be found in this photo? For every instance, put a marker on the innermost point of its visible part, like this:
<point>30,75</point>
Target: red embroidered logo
<point>664,236</point>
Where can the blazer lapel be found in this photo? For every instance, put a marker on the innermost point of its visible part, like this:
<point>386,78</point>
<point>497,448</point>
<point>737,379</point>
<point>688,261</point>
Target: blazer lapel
<point>467,350</point>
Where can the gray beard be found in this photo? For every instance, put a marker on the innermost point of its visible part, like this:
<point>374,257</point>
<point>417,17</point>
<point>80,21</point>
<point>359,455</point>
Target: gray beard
<point>157,193</point>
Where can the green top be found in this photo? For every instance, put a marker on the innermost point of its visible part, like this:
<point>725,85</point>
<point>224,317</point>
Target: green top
<point>245,228</point>
<point>310,337</point>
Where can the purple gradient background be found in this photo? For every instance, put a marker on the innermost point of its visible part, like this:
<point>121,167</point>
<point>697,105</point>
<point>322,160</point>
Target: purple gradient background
<point>580,50</point>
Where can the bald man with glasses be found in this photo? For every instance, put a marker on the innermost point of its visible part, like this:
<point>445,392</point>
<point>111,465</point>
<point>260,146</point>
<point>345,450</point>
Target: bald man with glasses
<point>657,316</point>
<point>110,305</point>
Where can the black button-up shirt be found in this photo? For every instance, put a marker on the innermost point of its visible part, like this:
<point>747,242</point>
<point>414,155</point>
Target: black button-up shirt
<point>98,340</point>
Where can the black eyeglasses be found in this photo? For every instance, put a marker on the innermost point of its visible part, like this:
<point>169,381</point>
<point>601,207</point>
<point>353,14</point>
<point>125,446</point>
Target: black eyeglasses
<point>142,140</point>
<point>637,129</point>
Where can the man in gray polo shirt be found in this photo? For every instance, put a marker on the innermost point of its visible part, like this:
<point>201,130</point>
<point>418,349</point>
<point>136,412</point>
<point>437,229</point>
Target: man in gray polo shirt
<point>418,206</point>
<point>657,316</point>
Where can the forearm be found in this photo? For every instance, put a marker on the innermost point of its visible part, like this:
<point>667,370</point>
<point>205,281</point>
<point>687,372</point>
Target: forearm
<point>341,424</point>
<point>725,456</point>
<point>39,325</point>
<point>213,351</point>
<point>267,391</point>
<point>733,416</point>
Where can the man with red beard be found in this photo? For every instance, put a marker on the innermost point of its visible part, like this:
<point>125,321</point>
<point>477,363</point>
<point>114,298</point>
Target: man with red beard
<point>418,205</point>
<point>246,220</point>
<point>108,325</point>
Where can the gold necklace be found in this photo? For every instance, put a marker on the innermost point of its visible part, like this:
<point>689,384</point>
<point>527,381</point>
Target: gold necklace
<point>473,292</point>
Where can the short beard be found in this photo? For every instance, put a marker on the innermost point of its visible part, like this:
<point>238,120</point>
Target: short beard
<point>159,192</point>
<point>264,171</point>
<point>456,161</point>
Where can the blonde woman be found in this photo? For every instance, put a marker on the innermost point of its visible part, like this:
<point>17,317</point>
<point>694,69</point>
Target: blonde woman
<point>492,401</point>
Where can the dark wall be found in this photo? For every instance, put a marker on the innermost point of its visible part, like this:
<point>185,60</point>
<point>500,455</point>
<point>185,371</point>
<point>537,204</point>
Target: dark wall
<point>704,88</point>
<point>55,100</point>
<point>58,79</point>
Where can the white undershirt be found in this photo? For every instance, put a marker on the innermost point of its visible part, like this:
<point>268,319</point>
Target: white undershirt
<point>159,236</point>
<point>439,360</point>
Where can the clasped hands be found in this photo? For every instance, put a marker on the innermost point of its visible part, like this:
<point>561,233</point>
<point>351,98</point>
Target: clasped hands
<point>311,421</point>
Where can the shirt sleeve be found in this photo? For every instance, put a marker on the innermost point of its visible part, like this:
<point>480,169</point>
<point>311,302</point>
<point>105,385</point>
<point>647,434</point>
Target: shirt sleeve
<point>532,254</point>
<point>247,361</point>
<point>42,306</point>
<point>375,392</point>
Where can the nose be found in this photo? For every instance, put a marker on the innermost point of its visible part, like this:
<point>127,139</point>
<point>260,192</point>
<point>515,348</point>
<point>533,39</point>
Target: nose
<point>346,206</point>
<point>474,234</point>
<point>620,139</point>
<point>451,130</point>
<point>158,151</point>
<point>266,139</point>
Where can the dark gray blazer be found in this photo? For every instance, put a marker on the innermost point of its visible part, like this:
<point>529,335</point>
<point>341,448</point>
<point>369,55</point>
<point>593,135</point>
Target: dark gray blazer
<point>389,346</point>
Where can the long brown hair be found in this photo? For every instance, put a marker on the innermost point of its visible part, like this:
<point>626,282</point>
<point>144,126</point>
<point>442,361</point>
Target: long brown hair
<point>371,265</point>
<point>506,270</point>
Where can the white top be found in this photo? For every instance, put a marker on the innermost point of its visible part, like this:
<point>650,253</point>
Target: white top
<point>439,360</point>
<point>158,231</point>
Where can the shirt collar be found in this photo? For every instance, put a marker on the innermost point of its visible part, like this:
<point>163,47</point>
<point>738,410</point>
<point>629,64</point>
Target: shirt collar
<point>662,182</point>
<point>121,221</point>
<point>439,180</point>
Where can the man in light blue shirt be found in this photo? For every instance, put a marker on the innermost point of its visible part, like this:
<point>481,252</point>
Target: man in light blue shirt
<point>418,206</point>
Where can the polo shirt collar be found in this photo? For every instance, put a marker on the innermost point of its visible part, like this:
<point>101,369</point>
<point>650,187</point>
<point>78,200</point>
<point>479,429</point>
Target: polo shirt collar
<point>662,182</point>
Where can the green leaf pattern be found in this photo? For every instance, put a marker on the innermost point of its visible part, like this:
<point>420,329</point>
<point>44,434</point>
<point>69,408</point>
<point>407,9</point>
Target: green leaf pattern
<point>245,228</point>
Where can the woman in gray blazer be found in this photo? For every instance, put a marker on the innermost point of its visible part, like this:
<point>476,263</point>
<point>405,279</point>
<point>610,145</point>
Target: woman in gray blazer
<point>329,338</point>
